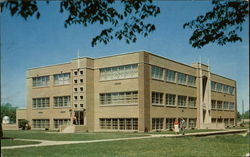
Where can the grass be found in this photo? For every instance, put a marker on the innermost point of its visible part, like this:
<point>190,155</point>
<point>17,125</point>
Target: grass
<point>217,146</point>
<point>55,136</point>
<point>186,131</point>
<point>10,142</point>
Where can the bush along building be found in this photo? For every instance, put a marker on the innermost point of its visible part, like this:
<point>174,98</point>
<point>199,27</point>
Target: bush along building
<point>137,91</point>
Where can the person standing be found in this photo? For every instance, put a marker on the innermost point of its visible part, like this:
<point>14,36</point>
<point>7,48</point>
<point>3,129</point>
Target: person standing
<point>183,126</point>
<point>176,126</point>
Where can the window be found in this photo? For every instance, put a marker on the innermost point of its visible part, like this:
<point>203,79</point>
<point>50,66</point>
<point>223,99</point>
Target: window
<point>213,102</point>
<point>81,80</point>
<point>213,86</point>
<point>115,124</point>
<point>157,72</point>
<point>119,98</point>
<point>75,105</point>
<point>157,98</point>
<point>182,78</point>
<point>157,123</point>
<point>191,101</point>
<point>81,89</point>
<point>40,123</point>
<point>170,123</point>
<point>192,123</point>
<point>231,90</point>
<point>170,75</point>
<point>170,99</point>
<point>40,102</point>
<point>191,80</point>
<point>219,87</point>
<point>182,101</point>
<point>62,101</point>
<point>231,106</point>
<point>81,105</point>
<point>59,122</point>
<point>60,79</point>
<point>225,105</point>
<point>219,104</point>
<point>119,72</point>
<point>75,89</point>
<point>75,73</point>
<point>75,97</point>
<point>232,122</point>
<point>81,97</point>
<point>122,124</point>
<point>81,72</point>
<point>75,81</point>
<point>226,122</point>
<point>225,89</point>
<point>41,81</point>
<point>119,124</point>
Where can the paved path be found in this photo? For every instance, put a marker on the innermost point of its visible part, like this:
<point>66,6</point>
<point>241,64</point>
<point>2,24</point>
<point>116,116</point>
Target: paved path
<point>53,143</point>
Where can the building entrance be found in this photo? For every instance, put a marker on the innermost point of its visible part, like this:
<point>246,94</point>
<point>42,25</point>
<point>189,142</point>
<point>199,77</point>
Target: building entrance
<point>79,118</point>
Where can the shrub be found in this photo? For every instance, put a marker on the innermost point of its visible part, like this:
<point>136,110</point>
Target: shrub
<point>22,124</point>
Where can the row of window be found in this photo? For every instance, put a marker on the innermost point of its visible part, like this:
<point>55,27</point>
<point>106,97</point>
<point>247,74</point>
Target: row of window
<point>119,72</point>
<point>117,98</point>
<point>44,123</point>
<point>222,105</point>
<point>157,123</point>
<point>227,121</point>
<point>170,100</point>
<point>219,87</point>
<point>43,81</point>
<point>119,123</point>
<point>60,101</point>
<point>170,76</point>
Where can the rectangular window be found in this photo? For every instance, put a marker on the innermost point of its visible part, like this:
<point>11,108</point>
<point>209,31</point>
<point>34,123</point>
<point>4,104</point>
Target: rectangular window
<point>231,106</point>
<point>115,124</point>
<point>157,98</point>
<point>59,122</point>
<point>232,122</point>
<point>61,79</point>
<point>102,123</point>
<point>231,90</point>
<point>119,72</point>
<point>192,123</point>
<point>219,104</point>
<point>213,86</point>
<point>213,102</point>
<point>119,98</point>
<point>191,101</point>
<point>225,88</point>
<point>157,123</point>
<point>191,80</point>
<point>225,105</point>
<point>170,75</point>
<point>182,78</point>
<point>121,124</point>
<point>40,102</point>
<point>170,99</point>
<point>226,122</point>
<point>182,101</point>
<point>219,87</point>
<point>41,81</point>
<point>157,72</point>
<point>170,123</point>
<point>40,123</point>
<point>62,101</point>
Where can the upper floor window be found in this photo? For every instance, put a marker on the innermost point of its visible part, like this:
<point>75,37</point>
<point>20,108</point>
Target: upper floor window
<point>219,87</point>
<point>213,86</point>
<point>213,102</point>
<point>157,98</point>
<point>231,106</point>
<point>191,80</point>
<point>182,101</point>
<point>225,105</point>
<point>157,72</point>
<point>219,104</point>
<point>231,90</point>
<point>40,102</point>
<point>62,101</point>
<point>170,99</point>
<point>225,88</point>
<point>191,101</point>
<point>119,72</point>
<point>41,81</point>
<point>182,78</point>
<point>60,79</point>
<point>119,98</point>
<point>170,75</point>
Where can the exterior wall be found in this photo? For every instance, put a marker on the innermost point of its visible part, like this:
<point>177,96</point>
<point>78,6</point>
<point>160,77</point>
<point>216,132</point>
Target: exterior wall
<point>144,110</point>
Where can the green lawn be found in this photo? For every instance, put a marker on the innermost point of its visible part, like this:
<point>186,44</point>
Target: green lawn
<point>9,142</point>
<point>217,146</point>
<point>55,136</point>
<point>186,131</point>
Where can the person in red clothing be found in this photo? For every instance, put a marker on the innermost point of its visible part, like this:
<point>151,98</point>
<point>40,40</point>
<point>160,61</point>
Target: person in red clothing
<point>176,126</point>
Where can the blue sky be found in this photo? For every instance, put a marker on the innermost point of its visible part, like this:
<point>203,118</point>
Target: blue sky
<point>34,43</point>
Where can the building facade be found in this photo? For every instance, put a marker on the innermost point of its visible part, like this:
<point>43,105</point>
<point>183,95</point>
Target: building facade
<point>137,91</point>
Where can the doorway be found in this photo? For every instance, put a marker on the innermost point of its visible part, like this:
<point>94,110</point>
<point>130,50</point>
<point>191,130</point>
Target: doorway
<point>79,118</point>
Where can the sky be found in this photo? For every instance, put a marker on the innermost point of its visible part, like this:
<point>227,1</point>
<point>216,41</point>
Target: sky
<point>35,43</point>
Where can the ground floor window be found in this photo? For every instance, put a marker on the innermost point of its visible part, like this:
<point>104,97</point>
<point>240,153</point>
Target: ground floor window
<point>232,122</point>
<point>59,122</point>
<point>119,123</point>
<point>226,122</point>
<point>40,123</point>
<point>192,123</point>
<point>170,123</point>
<point>213,120</point>
<point>157,123</point>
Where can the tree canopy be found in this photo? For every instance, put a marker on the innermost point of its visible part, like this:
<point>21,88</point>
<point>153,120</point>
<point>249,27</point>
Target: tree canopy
<point>221,25</point>
<point>125,23</point>
<point>8,110</point>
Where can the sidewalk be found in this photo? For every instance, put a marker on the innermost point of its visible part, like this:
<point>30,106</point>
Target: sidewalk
<point>52,143</point>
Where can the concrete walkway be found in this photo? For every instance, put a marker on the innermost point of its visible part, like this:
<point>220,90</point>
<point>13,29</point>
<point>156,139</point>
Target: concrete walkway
<point>53,143</point>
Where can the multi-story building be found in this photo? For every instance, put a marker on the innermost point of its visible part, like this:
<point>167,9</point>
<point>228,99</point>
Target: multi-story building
<point>135,91</point>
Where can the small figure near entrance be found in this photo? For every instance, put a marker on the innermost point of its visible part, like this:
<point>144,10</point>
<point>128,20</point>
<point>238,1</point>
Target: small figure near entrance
<point>74,120</point>
<point>183,126</point>
<point>176,126</point>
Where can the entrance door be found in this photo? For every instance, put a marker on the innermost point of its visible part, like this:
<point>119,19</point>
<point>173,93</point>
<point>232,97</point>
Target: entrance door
<point>79,118</point>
